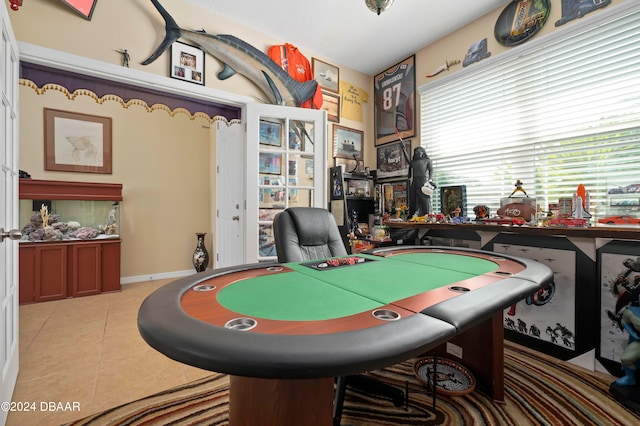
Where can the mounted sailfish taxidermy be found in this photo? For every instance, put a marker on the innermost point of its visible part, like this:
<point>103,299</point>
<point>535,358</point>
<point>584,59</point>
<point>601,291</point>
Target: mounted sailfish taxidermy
<point>239,57</point>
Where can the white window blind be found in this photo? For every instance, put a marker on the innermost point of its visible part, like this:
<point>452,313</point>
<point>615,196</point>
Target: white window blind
<point>556,113</point>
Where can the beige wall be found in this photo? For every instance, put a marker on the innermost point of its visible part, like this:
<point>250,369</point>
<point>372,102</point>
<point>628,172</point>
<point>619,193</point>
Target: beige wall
<point>162,160</point>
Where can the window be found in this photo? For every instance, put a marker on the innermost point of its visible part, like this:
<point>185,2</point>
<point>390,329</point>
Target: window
<point>553,113</point>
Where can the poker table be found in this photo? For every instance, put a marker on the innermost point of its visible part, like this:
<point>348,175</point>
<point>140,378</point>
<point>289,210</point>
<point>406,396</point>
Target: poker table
<point>284,331</point>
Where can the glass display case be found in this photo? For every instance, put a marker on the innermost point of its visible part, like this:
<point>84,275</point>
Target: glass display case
<point>286,175</point>
<point>71,239</point>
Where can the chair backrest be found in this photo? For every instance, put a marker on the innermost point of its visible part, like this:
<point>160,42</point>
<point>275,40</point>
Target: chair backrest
<point>306,233</point>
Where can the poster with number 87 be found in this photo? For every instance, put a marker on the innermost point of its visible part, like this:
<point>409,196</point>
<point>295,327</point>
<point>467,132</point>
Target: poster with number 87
<point>395,102</point>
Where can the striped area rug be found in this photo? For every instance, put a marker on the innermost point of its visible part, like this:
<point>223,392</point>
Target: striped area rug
<point>539,390</point>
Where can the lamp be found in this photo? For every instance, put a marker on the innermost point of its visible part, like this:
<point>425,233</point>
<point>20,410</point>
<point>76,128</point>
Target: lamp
<point>378,5</point>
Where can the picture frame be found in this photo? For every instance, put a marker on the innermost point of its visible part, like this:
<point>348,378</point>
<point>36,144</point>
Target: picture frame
<point>347,143</point>
<point>395,194</point>
<point>453,197</point>
<point>83,8</point>
<point>187,63</point>
<point>270,163</point>
<point>391,162</point>
<point>395,102</point>
<point>75,142</point>
<point>270,133</point>
<point>331,104</point>
<point>336,184</point>
<point>327,75</point>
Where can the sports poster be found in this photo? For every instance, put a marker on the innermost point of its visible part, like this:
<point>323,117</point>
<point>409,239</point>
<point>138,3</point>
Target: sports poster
<point>395,102</point>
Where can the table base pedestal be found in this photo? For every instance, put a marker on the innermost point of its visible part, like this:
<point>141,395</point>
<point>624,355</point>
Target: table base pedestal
<point>274,402</point>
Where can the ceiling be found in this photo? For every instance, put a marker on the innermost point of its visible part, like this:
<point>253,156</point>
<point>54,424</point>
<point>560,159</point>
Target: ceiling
<point>346,32</point>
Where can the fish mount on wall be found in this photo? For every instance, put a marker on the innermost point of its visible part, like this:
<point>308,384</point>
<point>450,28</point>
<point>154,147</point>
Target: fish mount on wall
<point>239,57</point>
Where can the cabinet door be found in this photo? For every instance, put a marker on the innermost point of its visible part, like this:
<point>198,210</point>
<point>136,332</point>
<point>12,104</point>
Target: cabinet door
<point>27,274</point>
<point>51,272</point>
<point>110,266</point>
<point>85,269</point>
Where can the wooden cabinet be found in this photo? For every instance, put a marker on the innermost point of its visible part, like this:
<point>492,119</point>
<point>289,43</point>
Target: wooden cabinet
<point>52,270</point>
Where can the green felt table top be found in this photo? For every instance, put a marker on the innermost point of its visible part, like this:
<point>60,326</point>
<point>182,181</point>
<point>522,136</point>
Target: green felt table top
<point>307,294</point>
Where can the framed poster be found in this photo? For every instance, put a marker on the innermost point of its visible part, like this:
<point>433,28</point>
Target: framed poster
<point>395,195</point>
<point>557,320</point>
<point>187,63</point>
<point>618,277</point>
<point>347,143</point>
<point>395,102</point>
<point>336,183</point>
<point>391,162</point>
<point>331,104</point>
<point>327,75</point>
<point>270,163</point>
<point>452,198</point>
<point>82,7</point>
<point>75,142</point>
<point>270,133</point>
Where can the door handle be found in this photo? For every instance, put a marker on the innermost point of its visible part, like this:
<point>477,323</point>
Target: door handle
<point>236,218</point>
<point>14,234</point>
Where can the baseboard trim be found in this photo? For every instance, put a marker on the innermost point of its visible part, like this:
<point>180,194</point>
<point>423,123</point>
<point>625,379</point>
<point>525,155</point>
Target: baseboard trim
<point>158,276</point>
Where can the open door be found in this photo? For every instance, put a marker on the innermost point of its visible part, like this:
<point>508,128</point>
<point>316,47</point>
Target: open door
<point>286,162</point>
<point>9,75</point>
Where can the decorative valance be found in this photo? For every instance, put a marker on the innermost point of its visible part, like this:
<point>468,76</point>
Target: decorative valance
<point>42,75</point>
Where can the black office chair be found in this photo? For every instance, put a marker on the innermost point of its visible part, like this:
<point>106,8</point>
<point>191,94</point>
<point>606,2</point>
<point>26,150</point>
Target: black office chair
<point>309,233</point>
<point>306,233</point>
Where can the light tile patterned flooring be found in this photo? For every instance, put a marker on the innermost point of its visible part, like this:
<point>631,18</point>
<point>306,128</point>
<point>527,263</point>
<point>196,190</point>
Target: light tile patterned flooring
<point>88,351</point>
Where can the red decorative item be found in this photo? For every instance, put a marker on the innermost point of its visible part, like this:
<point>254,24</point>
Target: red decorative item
<point>15,4</point>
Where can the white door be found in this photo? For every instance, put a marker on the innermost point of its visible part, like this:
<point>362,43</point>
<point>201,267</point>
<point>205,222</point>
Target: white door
<point>9,60</point>
<point>286,163</point>
<point>230,183</point>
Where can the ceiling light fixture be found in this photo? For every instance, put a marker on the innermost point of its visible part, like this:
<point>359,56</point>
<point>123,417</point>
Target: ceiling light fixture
<point>378,5</point>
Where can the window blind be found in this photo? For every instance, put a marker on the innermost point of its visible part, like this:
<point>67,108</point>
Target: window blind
<point>553,114</point>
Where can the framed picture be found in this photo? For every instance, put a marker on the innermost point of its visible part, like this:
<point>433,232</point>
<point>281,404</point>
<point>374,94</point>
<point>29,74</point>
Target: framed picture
<point>395,195</point>
<point>270,133</point>
<point>452,198</point>
<point>187,63</point>
<point>82,7</point>
<point>347,143</point>
<point>336,183</point>
<point>75,142</point>
<point>395,102</point>
<point>270,163</point>
<point>331,104</point>
<point>391,162</point>
<point>327,75</point>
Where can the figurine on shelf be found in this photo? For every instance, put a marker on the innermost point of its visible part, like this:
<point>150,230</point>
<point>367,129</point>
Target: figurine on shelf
<point>519,188</point>
<point>125,57</point>
<point>421,184</point>
<point>44,214</point>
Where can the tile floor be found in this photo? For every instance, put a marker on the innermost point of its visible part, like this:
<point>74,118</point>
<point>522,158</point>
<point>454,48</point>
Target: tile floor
<point>88,351</point>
